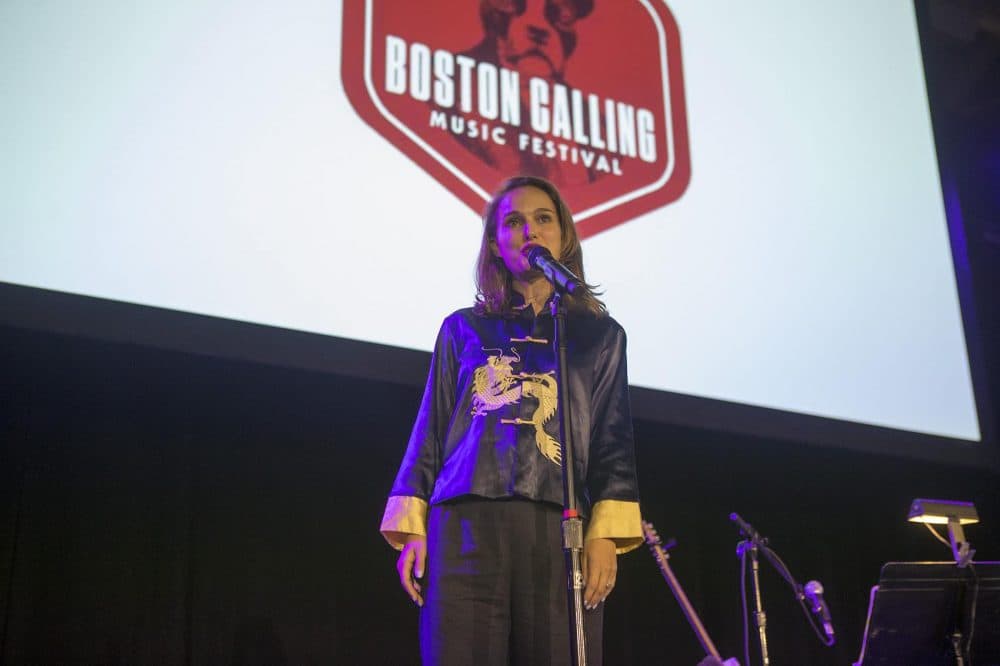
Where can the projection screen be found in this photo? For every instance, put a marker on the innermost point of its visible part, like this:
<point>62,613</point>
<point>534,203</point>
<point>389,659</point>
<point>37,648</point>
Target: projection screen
<point>756,183</point>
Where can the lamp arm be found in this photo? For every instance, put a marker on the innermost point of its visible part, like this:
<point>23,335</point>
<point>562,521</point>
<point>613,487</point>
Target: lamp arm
<point>961,549</point>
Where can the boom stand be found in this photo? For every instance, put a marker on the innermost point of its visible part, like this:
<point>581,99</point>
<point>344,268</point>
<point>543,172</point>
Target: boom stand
<point>572,525</point>
<point>750,545</point>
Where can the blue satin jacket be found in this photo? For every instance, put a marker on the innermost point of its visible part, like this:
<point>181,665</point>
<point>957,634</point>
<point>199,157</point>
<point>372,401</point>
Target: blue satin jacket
<point>488,424</point>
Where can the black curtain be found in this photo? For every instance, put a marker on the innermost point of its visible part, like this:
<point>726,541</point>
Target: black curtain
<point>168,508</point>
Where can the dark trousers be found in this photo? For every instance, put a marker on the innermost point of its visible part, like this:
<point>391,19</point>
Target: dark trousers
<point>495,589</point>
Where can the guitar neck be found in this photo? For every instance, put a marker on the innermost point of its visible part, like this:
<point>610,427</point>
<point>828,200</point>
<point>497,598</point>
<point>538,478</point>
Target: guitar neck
<point>689,612</point>
<point>661,557</point>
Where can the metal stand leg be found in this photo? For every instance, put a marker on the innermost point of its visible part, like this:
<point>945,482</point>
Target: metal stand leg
<point>759,614</point>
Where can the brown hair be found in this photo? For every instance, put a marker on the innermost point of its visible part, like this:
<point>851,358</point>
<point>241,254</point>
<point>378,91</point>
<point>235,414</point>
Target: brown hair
<point>494,282</point>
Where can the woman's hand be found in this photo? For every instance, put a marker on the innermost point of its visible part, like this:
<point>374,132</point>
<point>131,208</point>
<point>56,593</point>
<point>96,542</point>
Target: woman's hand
<point>600,566</point>
<point>410,566</point>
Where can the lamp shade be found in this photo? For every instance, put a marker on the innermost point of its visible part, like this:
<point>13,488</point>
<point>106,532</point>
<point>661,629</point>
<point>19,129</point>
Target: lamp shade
<point>941,512</point>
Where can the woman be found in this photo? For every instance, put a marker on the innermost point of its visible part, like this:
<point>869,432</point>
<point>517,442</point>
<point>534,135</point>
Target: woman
<point>476,505</point>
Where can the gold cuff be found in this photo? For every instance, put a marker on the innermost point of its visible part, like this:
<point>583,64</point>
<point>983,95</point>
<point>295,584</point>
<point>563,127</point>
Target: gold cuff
<point>618,520</point>
<point>403,515</point>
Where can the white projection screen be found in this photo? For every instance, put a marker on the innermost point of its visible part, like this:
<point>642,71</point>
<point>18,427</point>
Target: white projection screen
<point>781,255</point>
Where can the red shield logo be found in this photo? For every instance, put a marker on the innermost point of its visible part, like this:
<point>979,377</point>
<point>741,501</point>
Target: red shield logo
<point>586,93</point>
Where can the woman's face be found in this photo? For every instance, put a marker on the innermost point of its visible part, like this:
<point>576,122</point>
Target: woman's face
<point>525,216</point>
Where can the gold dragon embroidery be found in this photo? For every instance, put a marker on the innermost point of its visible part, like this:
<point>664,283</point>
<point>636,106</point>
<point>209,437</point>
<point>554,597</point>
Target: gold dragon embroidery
<point>495,385</point>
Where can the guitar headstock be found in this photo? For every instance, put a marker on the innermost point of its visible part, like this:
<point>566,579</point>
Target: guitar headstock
<point>649,533</point>
<point>653,539</point>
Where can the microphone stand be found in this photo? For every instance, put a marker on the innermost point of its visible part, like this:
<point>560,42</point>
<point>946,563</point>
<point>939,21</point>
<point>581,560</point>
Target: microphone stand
<point>760,618</point>
<point>751,544</point>
<point>572,525</point>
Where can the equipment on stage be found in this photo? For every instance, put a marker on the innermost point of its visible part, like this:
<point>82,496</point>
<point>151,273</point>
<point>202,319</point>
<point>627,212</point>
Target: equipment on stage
<point>934,614</point>
<point>814,593</point>
<point>565,282</point>
<point>659,551</point>
<point>954,515</point>
<point>572,526</point>
<point>752,544</point>
<point>561,277</point>
<point>922,613</point>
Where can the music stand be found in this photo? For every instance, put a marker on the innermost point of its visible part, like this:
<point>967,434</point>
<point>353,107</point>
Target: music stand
<point>934,614</point>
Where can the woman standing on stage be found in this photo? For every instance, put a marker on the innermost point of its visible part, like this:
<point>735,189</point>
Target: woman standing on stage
<point>476,505</point>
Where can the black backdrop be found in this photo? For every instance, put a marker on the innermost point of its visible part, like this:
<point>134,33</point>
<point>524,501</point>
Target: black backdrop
<point>169,508</point>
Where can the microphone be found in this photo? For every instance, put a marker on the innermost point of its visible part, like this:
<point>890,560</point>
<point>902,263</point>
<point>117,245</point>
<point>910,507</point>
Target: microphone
<point>814,592</point>
<point>746,528</point>
<point>562,277</point>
